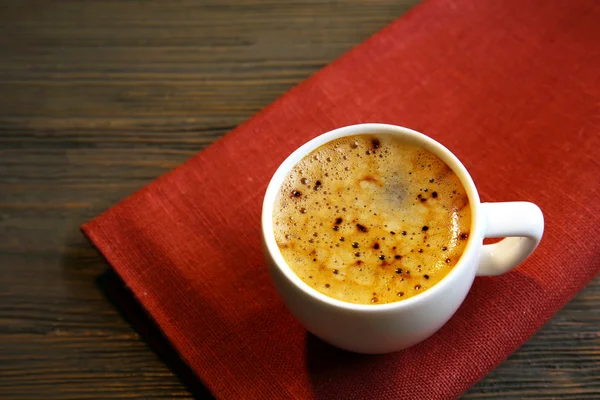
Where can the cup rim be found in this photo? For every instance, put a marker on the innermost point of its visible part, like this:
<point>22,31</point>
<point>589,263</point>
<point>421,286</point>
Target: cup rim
<point>415,137</point>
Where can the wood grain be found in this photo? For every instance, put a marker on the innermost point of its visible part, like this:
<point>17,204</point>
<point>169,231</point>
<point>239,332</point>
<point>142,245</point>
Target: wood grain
<point>100,98</point>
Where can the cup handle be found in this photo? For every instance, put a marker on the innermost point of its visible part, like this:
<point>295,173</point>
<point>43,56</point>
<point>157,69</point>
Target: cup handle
<point>521,224</point>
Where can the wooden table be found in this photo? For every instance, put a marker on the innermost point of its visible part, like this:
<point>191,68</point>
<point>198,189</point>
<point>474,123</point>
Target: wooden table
<point>98,99</point>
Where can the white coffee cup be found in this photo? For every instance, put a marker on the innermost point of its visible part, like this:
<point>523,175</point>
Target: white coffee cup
<point>383,328</point>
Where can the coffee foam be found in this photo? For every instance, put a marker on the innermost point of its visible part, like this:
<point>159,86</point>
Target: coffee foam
<point>370,219</point>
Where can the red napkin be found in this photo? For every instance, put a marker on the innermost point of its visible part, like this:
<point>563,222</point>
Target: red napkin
<point>512,87</point>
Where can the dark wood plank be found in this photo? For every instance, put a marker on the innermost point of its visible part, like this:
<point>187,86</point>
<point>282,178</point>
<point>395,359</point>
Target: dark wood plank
<point>98,99</point>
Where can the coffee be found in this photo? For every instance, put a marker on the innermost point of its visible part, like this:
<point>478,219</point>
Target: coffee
<point>371,219</point>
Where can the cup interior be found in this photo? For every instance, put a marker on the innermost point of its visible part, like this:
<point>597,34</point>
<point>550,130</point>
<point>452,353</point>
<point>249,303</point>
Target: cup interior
<point>411,137</point>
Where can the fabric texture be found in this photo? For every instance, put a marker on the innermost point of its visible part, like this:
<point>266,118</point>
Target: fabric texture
<point>511,87</point>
